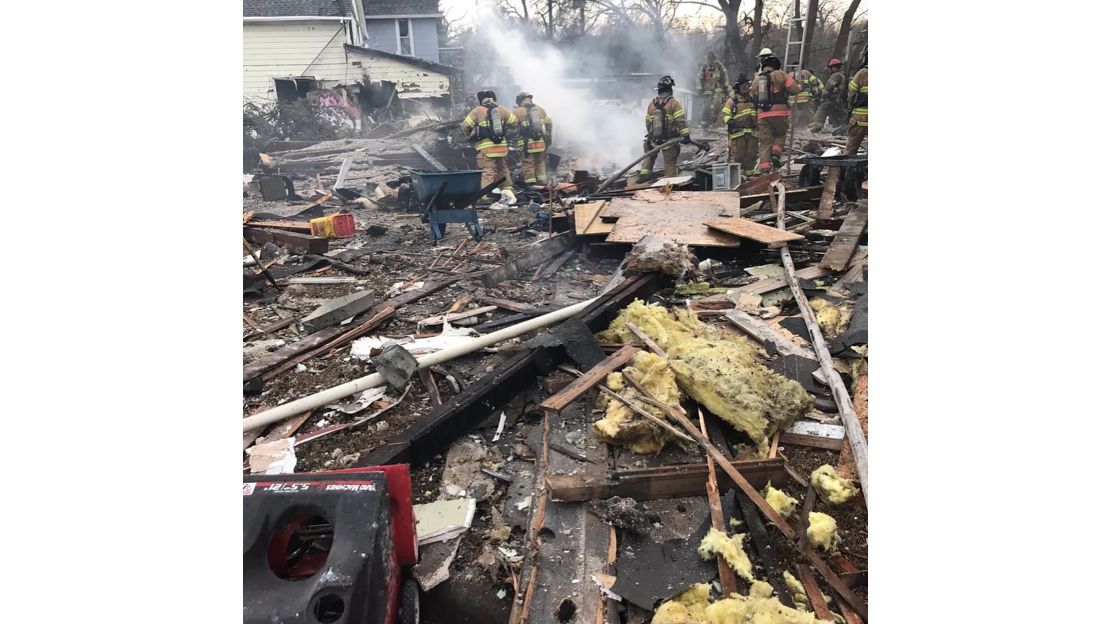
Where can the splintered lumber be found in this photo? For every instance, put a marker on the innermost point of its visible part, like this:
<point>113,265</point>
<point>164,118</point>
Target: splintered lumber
<point>535,254</point>
<point>374,322</point>
<point>717,515</point>
<point>752,493</point>
<point>812,441</point>
<point>844,245</point>
<point>764,286</point>
<point>511,306</point>
<point>765,333</point>
<point>654,482</point>
<point>758,186</point>
<point>813,592</point>
<point>294,242</point>
<point>587,219</point>
<point>681,216</point>
<point>809,193</point>
<point>589,379</point>
<point>843,398</point>
<point>828,195</point>
<point>745,228</point>
<point>295,226</point>
<point>440,319</point>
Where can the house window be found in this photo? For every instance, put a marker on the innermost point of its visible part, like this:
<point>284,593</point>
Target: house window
<point>404,37</point>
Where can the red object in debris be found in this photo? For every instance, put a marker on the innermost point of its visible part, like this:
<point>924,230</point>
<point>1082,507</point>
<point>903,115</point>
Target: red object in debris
<point>399,484</point>
<point>344,224</point>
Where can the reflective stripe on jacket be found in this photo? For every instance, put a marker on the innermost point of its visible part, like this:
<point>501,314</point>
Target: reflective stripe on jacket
<point>857,87</point>
<point>674,113</point>
<point>488,147</point>
<point>743,112</point>
<point>532,145</point>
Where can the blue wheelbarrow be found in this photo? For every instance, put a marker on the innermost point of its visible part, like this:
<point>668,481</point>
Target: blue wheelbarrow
<point>448,197</point>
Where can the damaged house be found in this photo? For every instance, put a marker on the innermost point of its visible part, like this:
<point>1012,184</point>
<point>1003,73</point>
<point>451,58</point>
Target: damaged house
<point>293,46</point>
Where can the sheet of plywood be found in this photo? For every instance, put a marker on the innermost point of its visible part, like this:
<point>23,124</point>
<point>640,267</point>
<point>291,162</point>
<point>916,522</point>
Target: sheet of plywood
<point>744,228</point>
<point>680,215</point>
<point>587,219</point>
<point>847,239</point>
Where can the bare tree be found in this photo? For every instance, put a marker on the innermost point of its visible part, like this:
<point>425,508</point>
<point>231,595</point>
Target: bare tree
<point>845,27</point>
<point>807,36</point>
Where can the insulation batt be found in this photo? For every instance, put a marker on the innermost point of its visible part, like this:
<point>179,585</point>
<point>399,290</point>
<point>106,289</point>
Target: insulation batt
<point>797,590</point>
<point>783,504</point>
<point>832,319</point>
<point>731,548</point>
<point>832,487</point>
<point>719,370</point>
<point>758,607</point>
<point>821,532</point>
<point>621,425</point>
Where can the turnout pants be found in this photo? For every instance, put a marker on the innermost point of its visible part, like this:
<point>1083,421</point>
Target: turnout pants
<point>534,167</point>
<point>744,150</point>
<point>670,160</point>
<point>856,135</point>
<point>831,110</point>
<point>771,133</point>
<point>493,168</point>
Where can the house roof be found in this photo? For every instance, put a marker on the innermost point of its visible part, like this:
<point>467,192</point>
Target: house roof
<point>337,8</point>
<point>408,60</point>
<point>297,8</point>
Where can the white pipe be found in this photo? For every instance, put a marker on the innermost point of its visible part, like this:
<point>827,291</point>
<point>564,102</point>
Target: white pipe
<point>374,380</point>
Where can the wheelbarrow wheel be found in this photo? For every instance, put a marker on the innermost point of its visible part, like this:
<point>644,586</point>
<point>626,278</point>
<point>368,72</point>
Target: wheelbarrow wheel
<point>410,602</point>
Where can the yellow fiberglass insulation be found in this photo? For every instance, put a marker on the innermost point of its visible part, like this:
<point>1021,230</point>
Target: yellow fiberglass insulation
<point>731,548</point>
<point>621,425</point>
<point>832,487</point>
<point>797,590</point>
<point>821,532</point>
<point>831,318</point>
<point>720,370</point>
<point>758,607</point>
<point>783,503</point>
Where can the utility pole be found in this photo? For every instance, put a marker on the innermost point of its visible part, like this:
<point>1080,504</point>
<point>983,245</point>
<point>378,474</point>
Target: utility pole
<point>550,19</point>
<point>807,34</point>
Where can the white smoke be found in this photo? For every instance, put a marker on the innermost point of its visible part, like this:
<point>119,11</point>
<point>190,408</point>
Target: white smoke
<point>601,134</point>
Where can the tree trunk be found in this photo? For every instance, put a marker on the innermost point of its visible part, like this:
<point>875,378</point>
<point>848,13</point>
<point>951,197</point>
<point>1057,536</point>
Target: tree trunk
<point>841,48</point>
<point>731,54</point>
<point>807,36</point>
<point>757,34</point>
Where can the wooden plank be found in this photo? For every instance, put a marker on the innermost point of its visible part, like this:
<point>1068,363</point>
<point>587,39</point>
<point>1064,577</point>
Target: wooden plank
<point>812,441</point>
<point>439,319</point>
<point>764,286</point>
<point>717,515</point>
<point>292,241</point>
<point>591,378</point>
<point>764,332</point>
<point>294,226</point>
<point>506,304</point>
<point>856,438</point>
<point>671,481</point>
<point>744,228</point>
<point>682,220</point>
<point>803,194</point>
<point>813,592</point>
<point>758,186</point>
<point>844,245</point>
<point>587,219</point>
<point>430,383</point>
<point>375,321</point>
<point>828,195</point>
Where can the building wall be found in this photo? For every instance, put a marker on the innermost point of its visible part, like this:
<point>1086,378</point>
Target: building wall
<point>412,82</point>
<point>381,34</point>
<point>293,48</point>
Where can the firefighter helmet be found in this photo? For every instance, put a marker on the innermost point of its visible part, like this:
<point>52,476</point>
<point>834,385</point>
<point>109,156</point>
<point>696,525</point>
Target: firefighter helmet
<point>833,61</point>
<point>740,82</point>
<point>666,83</point>
<point>520,97</point>
<point>766,52</point>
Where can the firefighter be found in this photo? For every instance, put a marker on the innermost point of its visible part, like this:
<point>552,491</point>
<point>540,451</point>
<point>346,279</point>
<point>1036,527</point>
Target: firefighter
<point>533,137</point>
<point>857,100</point>
<point>489,125</point>
<point>771,90</point>
<point>832,98</point>
<point>739,117</point>
<point>713,87</point>
<point>665,121</point>
<point>805,102</point>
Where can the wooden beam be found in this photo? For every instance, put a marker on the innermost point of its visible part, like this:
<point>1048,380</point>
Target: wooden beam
<point>764,333</point>
<point>745,228</point>
<point>591,378</point>
<point>671,481</point>
<point>769,285</point>
<point>811,441</point>
<point>843,399</point>
<point>717,516</point>
<point>439,319</point>
<point>536,254</point>
<point>813,592</point>
<point>429,381</point>
<point>511,306</point>
<point>828,195</point>
<point>844,245</point>
<point>373,322</point>
<point>291,241</point>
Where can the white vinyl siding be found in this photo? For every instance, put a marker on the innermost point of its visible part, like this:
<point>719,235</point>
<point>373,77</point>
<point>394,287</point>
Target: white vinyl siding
<point>405,44</point>
<point>412,82</point>
<point>293,48</point>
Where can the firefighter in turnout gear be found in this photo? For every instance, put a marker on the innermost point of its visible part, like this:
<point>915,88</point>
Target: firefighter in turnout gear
<point>833,98</point>
<point>739,117</point>
<point>713,88</point>
<point>771,90</point>
<point>805,102</point>
<point>665,121</point>
<point>534,135</point>
<point>489,125</point>
<point>857,99</point>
